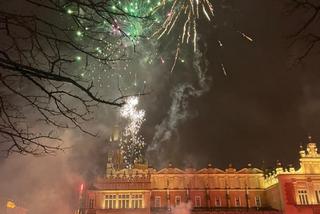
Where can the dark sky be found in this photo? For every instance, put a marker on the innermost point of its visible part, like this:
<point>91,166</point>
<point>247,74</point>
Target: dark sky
<point>265,107</point>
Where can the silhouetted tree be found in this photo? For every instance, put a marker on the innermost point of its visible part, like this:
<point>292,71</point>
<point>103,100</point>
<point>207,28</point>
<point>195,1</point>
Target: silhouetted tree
<point>43,44</point>
<point>307,34</point>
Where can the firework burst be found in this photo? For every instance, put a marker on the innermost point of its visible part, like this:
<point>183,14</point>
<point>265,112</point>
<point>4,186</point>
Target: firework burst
<point>188,12</point>
<point>133,146</point>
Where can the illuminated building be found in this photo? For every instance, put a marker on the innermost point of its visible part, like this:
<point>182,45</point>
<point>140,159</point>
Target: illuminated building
<point>144,190</point>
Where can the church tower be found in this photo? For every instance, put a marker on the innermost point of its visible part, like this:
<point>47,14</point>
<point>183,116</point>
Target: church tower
<point>310,158</point>
<point>114,155</point>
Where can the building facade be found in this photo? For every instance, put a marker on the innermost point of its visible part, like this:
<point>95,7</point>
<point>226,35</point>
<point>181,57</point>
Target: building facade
<point>144,190</point>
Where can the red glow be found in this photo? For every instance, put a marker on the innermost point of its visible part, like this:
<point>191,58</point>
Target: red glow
<point>81,188</point>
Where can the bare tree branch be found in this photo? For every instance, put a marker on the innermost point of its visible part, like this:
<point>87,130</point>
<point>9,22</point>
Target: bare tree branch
<point>308,34</point>
<point>39,61</point>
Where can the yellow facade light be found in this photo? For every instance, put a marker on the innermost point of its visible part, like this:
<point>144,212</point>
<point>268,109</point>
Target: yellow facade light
<point>11,204</point>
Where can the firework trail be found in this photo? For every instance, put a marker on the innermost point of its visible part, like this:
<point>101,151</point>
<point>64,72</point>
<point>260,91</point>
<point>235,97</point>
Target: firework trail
<point>187,12</point>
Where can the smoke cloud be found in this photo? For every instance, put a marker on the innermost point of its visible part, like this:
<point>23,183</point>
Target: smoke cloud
<point>178,111</point>
<point>51,184</point>
<point>182,208</point>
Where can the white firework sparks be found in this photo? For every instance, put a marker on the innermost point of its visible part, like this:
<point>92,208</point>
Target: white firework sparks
<point>135,117</point>
<point>133,146</point>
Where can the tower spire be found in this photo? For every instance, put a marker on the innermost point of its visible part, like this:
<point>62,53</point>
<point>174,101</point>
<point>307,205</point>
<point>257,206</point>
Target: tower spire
<point>114,155</point>
<point>310,158</point>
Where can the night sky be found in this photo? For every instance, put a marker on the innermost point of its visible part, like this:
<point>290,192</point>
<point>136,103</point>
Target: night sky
<point>265,107</point>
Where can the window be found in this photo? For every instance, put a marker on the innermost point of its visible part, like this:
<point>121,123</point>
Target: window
<point>123,201</point>
<point>257,201</point>
<point>217,202</point>
<point>197,201</point>
<point>91,203</point>
<point>136,201</point>
<point>237,201</point>
<point>303,197</point>
<point>157,201</point>
<point>318,196</point>
<point>127,201</point>
<point>110,202</point>
<point>178,200</point>
<point>120,201</point>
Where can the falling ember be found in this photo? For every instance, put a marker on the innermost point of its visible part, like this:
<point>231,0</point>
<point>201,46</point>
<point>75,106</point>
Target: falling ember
<point>246,36</point>
<point>175,59</point>
<point>223,69</point>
